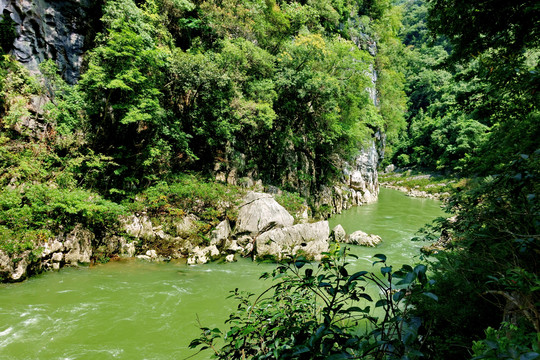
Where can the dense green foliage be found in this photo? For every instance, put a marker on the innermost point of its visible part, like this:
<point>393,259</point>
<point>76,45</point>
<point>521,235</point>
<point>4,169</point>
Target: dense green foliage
<point>474,109</point>
<point>324,312</point>
<point>267,89</point>
<point>247,90</point>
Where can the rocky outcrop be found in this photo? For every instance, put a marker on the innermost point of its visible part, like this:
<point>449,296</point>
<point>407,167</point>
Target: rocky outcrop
<point>57,30</point>
<point>260,212</point>
<point>310,240</point>
<point>14,267</point>
<point>78,246</point>
<point>359,185</point>
<point>221,234</point>
<point>71,249</point>
<point>363,178</point>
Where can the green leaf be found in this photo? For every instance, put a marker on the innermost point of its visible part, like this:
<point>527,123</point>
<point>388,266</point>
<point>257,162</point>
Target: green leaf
<point>365,296</point>
<point>356,275</point>
<point>529,356</point>
<point>398,295</point>
<point>382,258</point>
<point>431,295</point>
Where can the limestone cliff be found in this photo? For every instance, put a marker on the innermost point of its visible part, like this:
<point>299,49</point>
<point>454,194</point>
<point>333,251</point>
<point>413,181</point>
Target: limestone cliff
<point>57,30</point>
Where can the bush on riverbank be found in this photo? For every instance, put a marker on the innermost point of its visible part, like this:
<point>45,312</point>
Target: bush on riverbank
<point>321,311</point>
<point>430,183</point>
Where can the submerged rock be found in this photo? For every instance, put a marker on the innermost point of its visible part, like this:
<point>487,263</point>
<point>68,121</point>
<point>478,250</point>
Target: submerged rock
<point>361,238</point>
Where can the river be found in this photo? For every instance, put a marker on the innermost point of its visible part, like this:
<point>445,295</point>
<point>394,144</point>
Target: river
<point>137,310</point>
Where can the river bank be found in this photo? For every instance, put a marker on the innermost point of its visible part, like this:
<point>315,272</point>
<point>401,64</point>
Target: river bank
<point>191,218</point>
<point>422,184</point>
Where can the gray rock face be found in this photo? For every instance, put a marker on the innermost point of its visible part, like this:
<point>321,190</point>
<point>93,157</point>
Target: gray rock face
<point>364,177</point>
<point>308,239</point>
<point>78,243</point>
<point>57,30</point>
<point>138,226</point>
<point>221,233</point>
<point>11,270</point>
<point>259,213</point>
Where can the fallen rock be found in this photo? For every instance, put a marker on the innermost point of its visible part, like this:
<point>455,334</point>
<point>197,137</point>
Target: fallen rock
<point>310,240</point>
<point>203,255</point>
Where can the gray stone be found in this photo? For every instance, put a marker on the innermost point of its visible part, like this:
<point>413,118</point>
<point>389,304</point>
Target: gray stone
<point>138,226</point>
<point>203,255</point>
<point>152,254</point>
<point>390,168</point>
<point>187,226</point>
<point>220,234</point>
<point>57,257</point>
<point>338,233</point>
<point>78,243</point>
<point>6,266</point>
<point>56,30</point>
<point>128,249</point>
<point>308,239</point>
<point>260,212</point>
<point>364,239</point>
<point>232,246</point>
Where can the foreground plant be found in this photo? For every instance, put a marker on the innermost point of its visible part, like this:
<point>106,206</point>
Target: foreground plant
<point>324,312</point>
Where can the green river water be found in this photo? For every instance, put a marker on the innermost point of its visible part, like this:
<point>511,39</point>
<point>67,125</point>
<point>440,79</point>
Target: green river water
<point>137,310</point>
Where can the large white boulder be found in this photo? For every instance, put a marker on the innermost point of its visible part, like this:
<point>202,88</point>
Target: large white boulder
<point>260,212</point>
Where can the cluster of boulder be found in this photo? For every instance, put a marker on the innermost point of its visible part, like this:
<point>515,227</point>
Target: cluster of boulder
<point>356,238</point>
<point>263,230</point>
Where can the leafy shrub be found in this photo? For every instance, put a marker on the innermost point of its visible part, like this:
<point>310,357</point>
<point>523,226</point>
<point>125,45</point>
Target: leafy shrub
<point>292,202</point>
<point>319,311</point>
<point>31,213</point>
<point>188,193</point>
<point>509,342</point>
